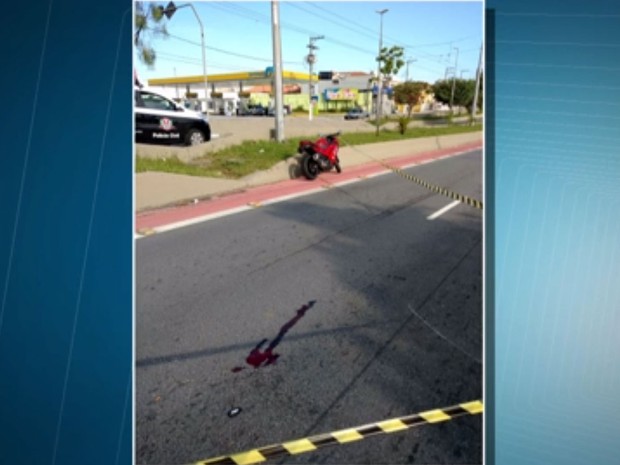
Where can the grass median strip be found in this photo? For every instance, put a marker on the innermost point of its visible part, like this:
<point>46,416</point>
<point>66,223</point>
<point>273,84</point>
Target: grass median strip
<point>251,156</point>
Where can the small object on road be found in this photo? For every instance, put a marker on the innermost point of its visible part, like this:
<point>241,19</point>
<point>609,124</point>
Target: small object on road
<point>233,412</point>
<point>195,201</point>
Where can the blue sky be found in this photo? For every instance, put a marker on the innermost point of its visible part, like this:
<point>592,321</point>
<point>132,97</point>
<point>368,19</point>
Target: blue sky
<point>238,37</point>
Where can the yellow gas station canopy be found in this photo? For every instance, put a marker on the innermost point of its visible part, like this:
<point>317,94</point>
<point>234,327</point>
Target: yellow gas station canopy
<point>248,76</point>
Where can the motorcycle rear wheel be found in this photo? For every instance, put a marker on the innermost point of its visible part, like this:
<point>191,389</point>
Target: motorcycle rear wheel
<point>310,168</point>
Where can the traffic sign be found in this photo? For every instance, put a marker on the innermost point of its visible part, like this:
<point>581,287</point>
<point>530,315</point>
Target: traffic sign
<point>170,9</point>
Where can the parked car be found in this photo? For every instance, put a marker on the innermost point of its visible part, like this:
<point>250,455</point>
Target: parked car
<point>285,110</point>
<point>356,113</point>
<point>252,110</point>
<point>160,120</point>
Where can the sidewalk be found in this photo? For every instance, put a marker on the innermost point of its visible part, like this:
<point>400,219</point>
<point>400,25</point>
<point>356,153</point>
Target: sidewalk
<point>156,190</point>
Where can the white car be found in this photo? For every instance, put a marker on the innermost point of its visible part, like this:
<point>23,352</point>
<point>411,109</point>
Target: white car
<point>160,120</point>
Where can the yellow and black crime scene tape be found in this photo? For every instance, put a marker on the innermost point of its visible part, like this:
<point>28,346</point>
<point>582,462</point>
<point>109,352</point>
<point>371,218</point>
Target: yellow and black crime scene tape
<point>439,190</point>
<point>312,443</point>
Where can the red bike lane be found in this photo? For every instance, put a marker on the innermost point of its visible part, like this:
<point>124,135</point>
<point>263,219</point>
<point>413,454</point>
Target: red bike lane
<point>170,217</point>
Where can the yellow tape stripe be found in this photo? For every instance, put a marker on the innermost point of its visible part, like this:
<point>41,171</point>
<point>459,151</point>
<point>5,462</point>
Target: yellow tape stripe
<point>435,416</point>
<point>390,426</point>
<point>473,407</point>
<point>299,446</point>
<point>245,458</point>
<point>347,435</point>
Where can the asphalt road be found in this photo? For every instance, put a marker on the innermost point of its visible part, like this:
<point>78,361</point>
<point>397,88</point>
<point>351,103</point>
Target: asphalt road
<point>373,310</point>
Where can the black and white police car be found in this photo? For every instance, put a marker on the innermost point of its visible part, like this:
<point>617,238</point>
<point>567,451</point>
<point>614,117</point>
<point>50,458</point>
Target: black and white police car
<point>161,120</point>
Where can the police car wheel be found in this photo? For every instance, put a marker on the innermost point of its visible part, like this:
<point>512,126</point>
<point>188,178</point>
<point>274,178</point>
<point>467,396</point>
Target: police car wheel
<point>194,137</point>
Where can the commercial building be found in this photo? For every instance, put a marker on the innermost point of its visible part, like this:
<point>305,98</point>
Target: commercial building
<point>332,91</point>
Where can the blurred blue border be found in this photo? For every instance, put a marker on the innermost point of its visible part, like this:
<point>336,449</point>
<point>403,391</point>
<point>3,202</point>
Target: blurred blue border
<point>552,141</point>
<point>66,233</point>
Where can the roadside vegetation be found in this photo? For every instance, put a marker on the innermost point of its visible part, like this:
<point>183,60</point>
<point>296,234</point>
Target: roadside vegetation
<point>251,156</point>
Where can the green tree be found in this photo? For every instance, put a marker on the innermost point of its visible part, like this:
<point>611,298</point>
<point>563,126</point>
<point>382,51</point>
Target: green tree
<point>409,93</point>
<point>391,61</point>
<point>148,24</point>
<point>463,92</point>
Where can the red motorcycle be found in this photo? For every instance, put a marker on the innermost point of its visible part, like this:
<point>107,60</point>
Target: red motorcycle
<point>319,156</point>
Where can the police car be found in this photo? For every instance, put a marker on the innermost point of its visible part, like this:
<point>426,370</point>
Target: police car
<point>160,120</point>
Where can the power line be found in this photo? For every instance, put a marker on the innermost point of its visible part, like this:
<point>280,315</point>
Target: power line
<point>240,11</point>
<point>367,34</point>
<point>228,52</point>
<point>195,61</point>
<point>249,14</point>
<point>191,60</point>
<point>437,44</point>
<point>326,18</point>
<point>374,36</point>
<point>419,54</point>
<point>188,59</point>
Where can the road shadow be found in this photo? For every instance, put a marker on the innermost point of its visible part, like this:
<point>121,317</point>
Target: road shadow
<point>398,330</point>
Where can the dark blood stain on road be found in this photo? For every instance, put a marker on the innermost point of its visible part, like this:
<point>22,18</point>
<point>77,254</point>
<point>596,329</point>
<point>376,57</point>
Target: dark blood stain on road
<point>258,357</point>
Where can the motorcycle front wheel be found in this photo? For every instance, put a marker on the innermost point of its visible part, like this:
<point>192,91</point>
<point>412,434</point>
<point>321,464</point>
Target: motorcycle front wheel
<point>310,168</point>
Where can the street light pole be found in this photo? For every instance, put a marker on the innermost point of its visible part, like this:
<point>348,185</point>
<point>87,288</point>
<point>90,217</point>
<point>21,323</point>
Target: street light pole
<point>169,11</point>
<point>204,60</point>
<point>379,80</point>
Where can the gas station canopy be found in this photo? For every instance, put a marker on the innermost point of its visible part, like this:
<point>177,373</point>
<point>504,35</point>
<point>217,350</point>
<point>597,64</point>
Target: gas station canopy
<point>255,77</point>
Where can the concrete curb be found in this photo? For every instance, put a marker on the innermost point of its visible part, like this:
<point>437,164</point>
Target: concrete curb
<point>154,190</point>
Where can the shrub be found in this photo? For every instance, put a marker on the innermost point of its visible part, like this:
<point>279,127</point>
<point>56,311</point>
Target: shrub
<point>403,122</point>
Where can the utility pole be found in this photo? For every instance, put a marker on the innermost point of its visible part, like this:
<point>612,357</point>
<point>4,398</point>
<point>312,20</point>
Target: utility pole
<point>277,71</point>
<point>410,60</point>
<point>456,67</point>
<point>311,59</point>
<point>474,105</point>
<point>379,79</point>
<point>463,71</point>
